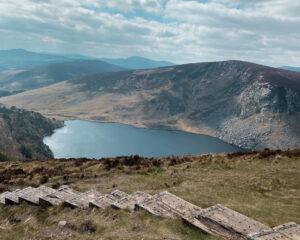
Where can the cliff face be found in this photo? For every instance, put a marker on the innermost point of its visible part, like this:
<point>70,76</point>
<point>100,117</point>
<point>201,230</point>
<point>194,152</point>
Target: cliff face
<point>22,132</point>
<point>268,116</point>
<point>246,104</point>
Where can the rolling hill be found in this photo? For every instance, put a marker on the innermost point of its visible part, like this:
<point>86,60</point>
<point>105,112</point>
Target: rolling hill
<point>44,75</point>
<point>249,105</point>
<point>22,133</point>
<point>20,58</point>
<point>137,63</point>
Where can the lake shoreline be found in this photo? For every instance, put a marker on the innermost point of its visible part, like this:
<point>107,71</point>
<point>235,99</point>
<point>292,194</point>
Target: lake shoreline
<point>144,141</point>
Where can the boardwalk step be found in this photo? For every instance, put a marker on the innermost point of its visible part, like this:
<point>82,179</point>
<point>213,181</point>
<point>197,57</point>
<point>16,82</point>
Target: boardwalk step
<point>131,200</point>
<point>268,235</point>
<point>168,205</point>
<point>14,197</point>
<point>228,223</point>
<point>216,220</point>
<point>59,196</point>
<point>4,194</point>
<point>107,199</point>
<point>83,200</point>
<point>34,195</point>
<point>290,229</point>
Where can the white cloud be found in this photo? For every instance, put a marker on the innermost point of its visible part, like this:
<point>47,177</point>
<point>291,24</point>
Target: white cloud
<point>264,31</point>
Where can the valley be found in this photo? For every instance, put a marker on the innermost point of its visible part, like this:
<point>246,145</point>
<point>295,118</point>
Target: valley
<point>245,104</point>
<point>149,120</point>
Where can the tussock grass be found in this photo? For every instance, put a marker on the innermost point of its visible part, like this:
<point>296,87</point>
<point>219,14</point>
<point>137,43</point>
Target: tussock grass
<point>262,185</point>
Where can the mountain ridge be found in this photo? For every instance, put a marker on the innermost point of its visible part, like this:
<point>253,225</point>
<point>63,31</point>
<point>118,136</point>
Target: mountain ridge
<point>44,75</point>
<point>21,58</point>
<point>137,63</point>
<point>246,104</point>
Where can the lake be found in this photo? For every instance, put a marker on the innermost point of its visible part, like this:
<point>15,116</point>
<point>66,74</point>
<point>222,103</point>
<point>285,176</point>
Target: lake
<point>96,140</point>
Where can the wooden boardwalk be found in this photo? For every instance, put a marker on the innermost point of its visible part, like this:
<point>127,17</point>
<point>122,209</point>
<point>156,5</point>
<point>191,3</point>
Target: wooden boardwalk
<point>217,220</point>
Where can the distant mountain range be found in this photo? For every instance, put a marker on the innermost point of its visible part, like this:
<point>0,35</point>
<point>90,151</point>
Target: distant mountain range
<point>137,63</point>
<point>296,69</point>
<point>19,80</point>
<point>20,58</point>
<point>249,105</point>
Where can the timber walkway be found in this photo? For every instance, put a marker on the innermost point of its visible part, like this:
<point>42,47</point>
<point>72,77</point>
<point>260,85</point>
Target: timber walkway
<point>217,220</point>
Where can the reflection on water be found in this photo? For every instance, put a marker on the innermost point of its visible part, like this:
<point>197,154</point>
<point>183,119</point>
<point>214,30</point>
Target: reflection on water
<point>95,140</point>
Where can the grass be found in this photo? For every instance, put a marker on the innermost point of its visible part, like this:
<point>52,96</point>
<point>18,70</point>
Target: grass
<point>261,185</point>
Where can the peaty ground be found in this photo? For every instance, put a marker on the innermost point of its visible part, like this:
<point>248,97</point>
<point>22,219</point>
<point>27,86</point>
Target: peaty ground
<point>262,185</point>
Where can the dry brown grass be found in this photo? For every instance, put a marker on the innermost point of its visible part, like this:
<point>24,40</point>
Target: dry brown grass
<point>263,185</point>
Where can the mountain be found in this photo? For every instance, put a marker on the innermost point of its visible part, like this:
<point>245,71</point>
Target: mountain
<point>249,105</point>
<point>44,75</point>
<point>137,63</point>
<point>20,58</point>
<point>295,69</point>
<point>22,134</point>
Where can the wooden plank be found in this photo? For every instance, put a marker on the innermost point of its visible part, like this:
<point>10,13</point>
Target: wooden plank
<point>3,195</point>
<point>130,201</point>
<point>83,200</point>
<point>14,197</point>
<point>168,205</point>
<point>290,229</point>
<point>108,199</point>
<point>268,235</point>
<point>228,223</point>
<point>34,196</point>
<point>59,196</point>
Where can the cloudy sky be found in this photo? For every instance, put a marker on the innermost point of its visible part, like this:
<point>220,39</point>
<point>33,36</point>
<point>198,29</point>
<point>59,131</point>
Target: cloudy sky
<point>181,31</point>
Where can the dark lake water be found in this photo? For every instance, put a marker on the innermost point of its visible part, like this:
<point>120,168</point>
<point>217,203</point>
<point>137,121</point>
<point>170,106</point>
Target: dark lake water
<point>96,140</point>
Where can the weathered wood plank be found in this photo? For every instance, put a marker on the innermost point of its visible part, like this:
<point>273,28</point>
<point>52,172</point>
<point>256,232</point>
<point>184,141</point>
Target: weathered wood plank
<point>228,223</point>
<point>168,205</point>
<point>108,199</point>
<point>268,235</point>
<point>3,195</point>
<point>59,196</point>
<point>34,196</point>
<point>83,200</point>
<point>14,197</point>
<point>130,201</point>
<point>290,229</point>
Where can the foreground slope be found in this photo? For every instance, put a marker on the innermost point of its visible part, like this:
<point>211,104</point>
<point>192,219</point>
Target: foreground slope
<point>249,105</point>
<point>41,76</point>
<point>262,185</point>
<point>22,132</point>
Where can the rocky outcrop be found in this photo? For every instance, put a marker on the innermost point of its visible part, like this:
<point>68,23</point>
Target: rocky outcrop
<point>267,118</point>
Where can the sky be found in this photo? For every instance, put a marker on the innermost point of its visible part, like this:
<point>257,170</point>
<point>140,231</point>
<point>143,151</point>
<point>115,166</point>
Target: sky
<point>180,31</point>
